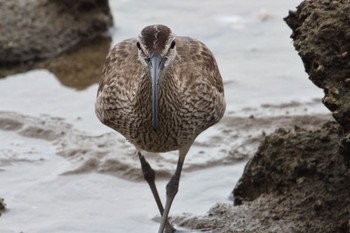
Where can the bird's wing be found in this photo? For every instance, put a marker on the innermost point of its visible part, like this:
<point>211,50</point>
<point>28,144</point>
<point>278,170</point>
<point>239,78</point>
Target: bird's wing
<point>116,66</point>
<point>201,61</point>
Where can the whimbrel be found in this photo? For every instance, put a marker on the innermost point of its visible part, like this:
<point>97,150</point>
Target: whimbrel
<point>160,91</point>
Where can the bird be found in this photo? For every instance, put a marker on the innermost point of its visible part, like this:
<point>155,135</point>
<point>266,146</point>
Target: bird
<point>160,91</point>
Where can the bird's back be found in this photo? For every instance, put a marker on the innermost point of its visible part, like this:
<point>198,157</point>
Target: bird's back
<point>191,96</point>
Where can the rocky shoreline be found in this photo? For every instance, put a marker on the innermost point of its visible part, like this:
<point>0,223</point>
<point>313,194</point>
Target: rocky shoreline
<point>296,182</point>
<point>297,178</point>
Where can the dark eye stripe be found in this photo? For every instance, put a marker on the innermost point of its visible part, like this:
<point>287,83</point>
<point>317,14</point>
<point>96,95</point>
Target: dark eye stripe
<point>172,44</point>
<point>139,47</point>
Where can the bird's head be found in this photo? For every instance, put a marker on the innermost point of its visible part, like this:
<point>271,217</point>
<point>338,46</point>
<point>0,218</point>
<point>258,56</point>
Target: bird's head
<point>156,50</point>
<point>156,43</point>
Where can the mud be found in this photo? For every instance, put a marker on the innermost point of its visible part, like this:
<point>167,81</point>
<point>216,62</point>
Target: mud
<point>321,34</point>
<point>40,29</point>
<point>296,182</point>
<point>237,139</point>
<point>293,172</point>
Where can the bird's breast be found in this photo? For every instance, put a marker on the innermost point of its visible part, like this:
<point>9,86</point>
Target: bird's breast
<point>174,126</point>
<point>179,122</point>
<point>183,113</point>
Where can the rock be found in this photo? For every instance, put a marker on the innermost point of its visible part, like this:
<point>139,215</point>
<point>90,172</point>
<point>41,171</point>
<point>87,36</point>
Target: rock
<point>37,29</point>
<point>321,34</point>
<point>303,177</point>
<point>288,158</point>
<point>296,182</point>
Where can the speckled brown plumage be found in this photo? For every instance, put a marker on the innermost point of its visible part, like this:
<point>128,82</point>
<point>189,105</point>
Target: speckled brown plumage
<point>189,98</point>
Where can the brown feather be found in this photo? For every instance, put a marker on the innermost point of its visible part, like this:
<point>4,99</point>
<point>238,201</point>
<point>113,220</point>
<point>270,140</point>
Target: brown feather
<point>191,94</point>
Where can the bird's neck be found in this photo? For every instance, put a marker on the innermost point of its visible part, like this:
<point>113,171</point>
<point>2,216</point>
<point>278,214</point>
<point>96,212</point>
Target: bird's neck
<point>167,82</point>
<point>168,85</point>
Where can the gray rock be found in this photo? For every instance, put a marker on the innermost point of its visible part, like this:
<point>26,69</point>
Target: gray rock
<point>36,29</point>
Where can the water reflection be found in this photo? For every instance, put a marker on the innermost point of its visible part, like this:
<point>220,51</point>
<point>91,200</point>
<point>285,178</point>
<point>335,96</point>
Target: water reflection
<point>78,68</point>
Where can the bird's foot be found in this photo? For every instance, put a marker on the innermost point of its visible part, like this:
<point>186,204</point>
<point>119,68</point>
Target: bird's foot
<point>169,228</point>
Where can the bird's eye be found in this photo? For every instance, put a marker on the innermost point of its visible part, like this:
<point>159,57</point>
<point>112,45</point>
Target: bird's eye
<point>138,45</point>
<point>172,44</point>
<point>148,60</point>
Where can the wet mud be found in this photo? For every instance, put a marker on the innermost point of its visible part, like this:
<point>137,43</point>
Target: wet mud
<point>237,139</point>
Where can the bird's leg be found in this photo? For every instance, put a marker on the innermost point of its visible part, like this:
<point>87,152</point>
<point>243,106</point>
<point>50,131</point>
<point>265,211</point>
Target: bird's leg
<point>172,187</point>
<point>149,175</point>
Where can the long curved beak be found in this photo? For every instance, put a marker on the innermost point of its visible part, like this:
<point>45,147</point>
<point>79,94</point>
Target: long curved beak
<point>157,64</point>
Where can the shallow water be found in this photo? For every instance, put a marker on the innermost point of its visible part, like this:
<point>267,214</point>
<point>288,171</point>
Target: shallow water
<point>256,58</point>
<point>258,64</point>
